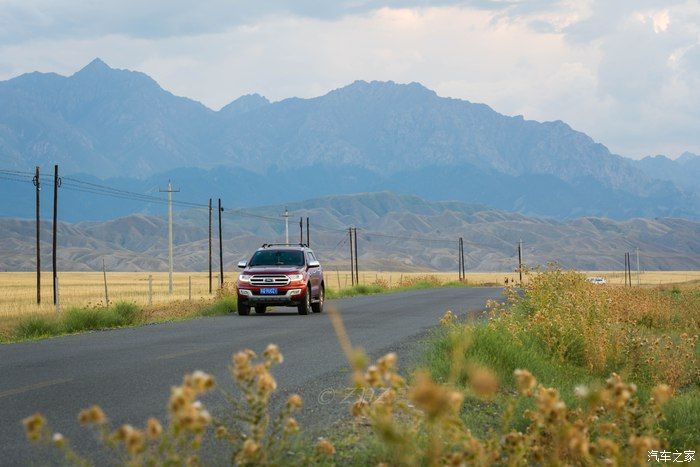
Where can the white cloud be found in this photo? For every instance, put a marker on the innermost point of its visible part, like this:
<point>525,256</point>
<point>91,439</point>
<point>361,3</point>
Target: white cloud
<point>627,72</point>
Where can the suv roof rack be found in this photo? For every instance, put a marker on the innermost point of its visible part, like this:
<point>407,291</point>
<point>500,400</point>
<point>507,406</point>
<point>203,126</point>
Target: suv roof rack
<point>267,245</point>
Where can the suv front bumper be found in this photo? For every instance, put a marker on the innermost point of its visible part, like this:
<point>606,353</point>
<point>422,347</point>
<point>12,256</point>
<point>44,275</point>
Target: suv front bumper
<point>288,296</point>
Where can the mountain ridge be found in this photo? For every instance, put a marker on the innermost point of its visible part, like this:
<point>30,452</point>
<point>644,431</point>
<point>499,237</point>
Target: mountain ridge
<point>106,122</point>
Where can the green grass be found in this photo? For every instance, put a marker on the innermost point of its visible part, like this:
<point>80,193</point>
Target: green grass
<point>36,326</point>
<point>220,307</point>
<point>371,289</point>
<point>76,320</point>
<point>356,290</point>
<point>683,420</point>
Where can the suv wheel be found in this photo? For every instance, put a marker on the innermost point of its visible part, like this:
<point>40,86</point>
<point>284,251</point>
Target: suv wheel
<point>260,309</point>
<point>318,306</point>
<point>243,310</point>
<point>305,306</point>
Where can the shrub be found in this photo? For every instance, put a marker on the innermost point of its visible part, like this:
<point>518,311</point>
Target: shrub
<point>86,319</point>
<point>35,326</point>
<point>222,306</point>
<point>77,320</point>
<point>423,281</point>
<point>641,332</point>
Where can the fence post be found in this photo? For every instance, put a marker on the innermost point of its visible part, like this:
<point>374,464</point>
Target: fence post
<point>104,274</point>
<point>337,273</point>
<point>190,286</point>
<point>150,289</point>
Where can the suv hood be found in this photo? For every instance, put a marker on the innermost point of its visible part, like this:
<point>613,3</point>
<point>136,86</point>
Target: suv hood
<point>273,270</point>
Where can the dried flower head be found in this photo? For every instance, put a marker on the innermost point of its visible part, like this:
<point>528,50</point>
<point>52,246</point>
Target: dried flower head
<point>482,381</point>
<point>448,318</point>
<point>432,398</point>
<point>525,381</point>
<point>134,441</point>
<point>153,428</point>
<point>199,381</point>
<point>387,362</point>
<point>373,376</point>
<point>273,354</point>
<point>358,407</point>
<point>661,394</point>
<point>33,426</point>
<point>291,426</point>
<point>294,401</point>
<point>92,415</point>
<point>325,447</point>
<point>250,449</point>
<point>266,383</point>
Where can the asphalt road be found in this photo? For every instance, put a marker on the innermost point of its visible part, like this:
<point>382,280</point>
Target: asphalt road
<point>129,372</point>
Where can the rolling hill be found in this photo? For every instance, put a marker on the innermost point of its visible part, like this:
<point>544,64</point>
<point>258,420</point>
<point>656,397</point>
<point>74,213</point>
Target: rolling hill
<point>397,232</point>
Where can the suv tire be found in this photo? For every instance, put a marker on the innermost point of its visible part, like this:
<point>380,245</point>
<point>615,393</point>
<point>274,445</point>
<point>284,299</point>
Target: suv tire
<point>318,306</point>
<point>305,305</point>
<point>243,310</point>
<point>260,309</point>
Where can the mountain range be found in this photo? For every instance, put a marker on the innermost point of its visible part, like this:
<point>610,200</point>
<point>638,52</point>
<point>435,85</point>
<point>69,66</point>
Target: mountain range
<point>121,128</point>
<point>396,232</point>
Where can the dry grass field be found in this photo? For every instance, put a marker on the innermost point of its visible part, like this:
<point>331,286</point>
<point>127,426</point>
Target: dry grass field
<point>18,292</point>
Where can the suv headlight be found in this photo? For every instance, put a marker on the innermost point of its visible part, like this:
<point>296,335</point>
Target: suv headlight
<point>244,277</point>
<point>296,277</point>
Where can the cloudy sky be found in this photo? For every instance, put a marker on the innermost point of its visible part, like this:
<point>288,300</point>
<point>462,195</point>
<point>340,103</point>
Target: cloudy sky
<point>627,72</point>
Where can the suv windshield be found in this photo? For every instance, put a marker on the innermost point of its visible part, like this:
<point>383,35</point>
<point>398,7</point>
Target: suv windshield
<point>277,258</point>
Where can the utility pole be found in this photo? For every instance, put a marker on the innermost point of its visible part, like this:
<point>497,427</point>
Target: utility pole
<point>301,230</point>
<point>308,237</point>
<point>286,225</point>
<point>221,250</point>
<point>625,269</point>
<point>357,270</point>
<point>170,192</point>
<point>464,269</point>
<point>459,258</point>
<point>210,246</point>
<point>520,260</point>
<point>352,259</point>
<point>462,272</point>
<point>37,183</point>
<point>56,185</point>
<point>638,279</point>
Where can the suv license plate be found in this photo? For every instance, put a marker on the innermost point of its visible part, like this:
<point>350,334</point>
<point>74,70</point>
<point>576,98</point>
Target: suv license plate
<point>268,291</point>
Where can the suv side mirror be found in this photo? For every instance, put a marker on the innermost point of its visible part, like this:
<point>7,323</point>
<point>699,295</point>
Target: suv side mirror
<point>242,264</point>
<point>314,264</point>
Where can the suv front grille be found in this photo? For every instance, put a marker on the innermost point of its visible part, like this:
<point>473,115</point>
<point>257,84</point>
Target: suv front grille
<point>263,281</point>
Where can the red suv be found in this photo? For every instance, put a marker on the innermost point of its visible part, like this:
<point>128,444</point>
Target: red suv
<point>281,275</point>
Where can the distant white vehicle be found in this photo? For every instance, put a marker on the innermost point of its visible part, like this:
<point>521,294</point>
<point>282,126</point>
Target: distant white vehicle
<point>596,280</point>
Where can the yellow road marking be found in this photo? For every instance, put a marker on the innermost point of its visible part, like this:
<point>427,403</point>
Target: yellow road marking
<point>32,387</point>
<point>180,354</point>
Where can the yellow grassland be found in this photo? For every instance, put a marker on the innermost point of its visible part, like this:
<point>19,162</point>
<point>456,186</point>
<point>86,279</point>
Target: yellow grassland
<point>18,289</point>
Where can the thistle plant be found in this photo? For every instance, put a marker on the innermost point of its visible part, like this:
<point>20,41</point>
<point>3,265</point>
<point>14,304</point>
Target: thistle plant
<point>254,436</point>
<point>176,444</point>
